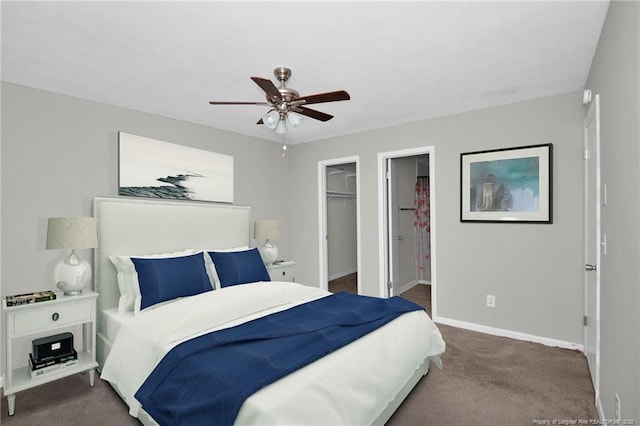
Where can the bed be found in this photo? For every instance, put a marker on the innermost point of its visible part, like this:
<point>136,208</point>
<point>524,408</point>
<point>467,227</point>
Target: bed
<point>346,386</point>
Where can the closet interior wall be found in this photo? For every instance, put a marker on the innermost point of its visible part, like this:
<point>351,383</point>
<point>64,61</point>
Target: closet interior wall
<point>341,220</point>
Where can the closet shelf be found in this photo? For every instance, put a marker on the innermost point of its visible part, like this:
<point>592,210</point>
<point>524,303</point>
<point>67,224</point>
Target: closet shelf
<point>341,194</point>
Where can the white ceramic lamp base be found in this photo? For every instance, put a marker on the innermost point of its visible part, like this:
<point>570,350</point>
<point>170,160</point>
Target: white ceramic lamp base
<point>72,274</point>
<point>268,252</point>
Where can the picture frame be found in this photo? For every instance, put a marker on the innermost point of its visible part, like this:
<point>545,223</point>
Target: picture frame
<point>153,168</point>
<point>509,185</point>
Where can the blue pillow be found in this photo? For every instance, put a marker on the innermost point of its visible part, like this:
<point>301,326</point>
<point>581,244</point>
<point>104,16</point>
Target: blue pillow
<point>239,267</point>
<point>165,279</point>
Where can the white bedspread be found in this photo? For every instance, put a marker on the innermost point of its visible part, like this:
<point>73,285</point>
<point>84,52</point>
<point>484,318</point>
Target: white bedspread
<point>332,390</point>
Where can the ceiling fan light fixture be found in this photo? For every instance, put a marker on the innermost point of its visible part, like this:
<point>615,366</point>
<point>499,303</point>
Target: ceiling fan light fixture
<point>281,127</point>
<point>271,119</point>
<point>294,119</point>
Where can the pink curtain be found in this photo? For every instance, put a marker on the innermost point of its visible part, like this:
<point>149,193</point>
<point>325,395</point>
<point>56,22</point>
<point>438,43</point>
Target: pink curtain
<point>422,227</point>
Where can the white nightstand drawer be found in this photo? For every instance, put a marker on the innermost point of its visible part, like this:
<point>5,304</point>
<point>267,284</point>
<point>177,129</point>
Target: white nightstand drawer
<point>35,320</point>
<point>282,271</point>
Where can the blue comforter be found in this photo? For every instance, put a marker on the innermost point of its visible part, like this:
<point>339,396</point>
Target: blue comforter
<point>206,380</point>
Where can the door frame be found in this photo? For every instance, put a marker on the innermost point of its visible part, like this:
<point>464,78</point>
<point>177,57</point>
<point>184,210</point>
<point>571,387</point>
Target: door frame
<point>393,223</point>
<point>323,261</point>
<point>383,206</point>
<point>593,193</point>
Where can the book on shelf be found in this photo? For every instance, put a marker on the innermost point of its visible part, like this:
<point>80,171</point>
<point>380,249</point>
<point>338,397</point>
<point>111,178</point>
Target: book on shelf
<point>46,370</point>
<point>23,299</point>
<point>39,368</point>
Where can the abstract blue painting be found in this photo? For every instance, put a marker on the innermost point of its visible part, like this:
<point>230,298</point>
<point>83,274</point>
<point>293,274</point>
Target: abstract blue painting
<point>507,185</point>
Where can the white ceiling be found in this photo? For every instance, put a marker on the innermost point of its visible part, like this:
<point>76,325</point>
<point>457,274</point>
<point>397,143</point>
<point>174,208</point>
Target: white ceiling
<point>400,61</point>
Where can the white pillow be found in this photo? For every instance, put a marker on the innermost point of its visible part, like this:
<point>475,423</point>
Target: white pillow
<point>211,268</point>
<point>128,278</point>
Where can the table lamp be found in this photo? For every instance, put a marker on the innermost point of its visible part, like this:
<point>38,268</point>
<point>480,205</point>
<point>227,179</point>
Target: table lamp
<point>72,273</point>
<point>266,230</point>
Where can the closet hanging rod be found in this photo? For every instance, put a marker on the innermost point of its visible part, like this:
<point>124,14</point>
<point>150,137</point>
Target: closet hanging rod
<point>401,209</point>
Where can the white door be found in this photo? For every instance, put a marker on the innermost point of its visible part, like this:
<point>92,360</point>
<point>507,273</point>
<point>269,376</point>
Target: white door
<point>592,242</point>
<point>393,230</point>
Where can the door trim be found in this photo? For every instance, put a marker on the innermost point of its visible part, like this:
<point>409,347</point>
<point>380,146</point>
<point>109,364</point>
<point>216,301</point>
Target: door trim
<point>393,222</point>
<point>323,257</point>
<point>383,237</point>
<point>593,113</point>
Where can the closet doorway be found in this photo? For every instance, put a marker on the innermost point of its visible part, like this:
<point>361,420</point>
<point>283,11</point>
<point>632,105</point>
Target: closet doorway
<point>407,223</point>
<point>339,226</point>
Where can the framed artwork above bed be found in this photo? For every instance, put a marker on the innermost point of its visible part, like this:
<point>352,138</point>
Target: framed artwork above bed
<point>157,169</point>
<point>507,185</point>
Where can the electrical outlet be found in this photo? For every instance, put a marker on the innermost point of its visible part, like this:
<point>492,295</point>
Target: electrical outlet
<point>618,415</point>
<point>491,301</point>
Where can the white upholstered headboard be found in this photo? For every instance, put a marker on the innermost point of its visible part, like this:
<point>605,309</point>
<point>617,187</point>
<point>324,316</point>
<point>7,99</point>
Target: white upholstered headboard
<point>132,226</point>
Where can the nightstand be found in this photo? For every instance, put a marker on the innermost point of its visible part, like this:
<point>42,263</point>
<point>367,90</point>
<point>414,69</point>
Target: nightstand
<point>47,318</point>
<point>284,270</point>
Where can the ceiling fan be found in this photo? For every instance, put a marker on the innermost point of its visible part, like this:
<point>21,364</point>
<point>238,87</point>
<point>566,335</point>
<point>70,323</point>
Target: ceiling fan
<point>286,102</point>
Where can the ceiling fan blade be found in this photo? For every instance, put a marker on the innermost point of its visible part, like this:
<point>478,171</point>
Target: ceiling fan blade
<point>312,113</point>
<point>319,98</point>
<point>237,103</point>
<point>268,86</point>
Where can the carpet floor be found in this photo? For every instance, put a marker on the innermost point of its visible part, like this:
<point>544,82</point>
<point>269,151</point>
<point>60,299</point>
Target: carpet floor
<point>485,380</point>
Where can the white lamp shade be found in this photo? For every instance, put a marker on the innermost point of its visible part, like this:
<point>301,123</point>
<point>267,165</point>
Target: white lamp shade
<point>72,233</point>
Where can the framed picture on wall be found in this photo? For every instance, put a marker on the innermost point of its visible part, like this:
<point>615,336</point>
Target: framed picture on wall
<point>157,169</point>
<point>507,185</point>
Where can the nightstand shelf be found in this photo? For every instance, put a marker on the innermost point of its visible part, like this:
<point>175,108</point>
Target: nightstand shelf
<point>282,271</point>
<point>22,378</point>
<point>53,316</point>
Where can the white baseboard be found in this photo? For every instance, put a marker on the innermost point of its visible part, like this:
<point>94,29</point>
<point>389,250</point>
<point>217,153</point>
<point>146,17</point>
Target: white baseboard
<point>509,333</point>
<point>408,286</point>
<point>412,284</point>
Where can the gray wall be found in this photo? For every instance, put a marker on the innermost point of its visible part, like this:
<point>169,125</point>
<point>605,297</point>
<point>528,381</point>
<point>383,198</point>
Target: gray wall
<point>615,76</point>
<point>59,152</point>
<point>535,271</point>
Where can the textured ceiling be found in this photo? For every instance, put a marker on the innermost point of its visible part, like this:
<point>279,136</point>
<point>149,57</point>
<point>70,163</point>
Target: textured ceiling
<point>400,61</point>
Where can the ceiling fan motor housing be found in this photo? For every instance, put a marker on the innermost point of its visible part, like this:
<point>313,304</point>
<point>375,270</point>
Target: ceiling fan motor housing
<point>286,94</point>
<point>282,73</point>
